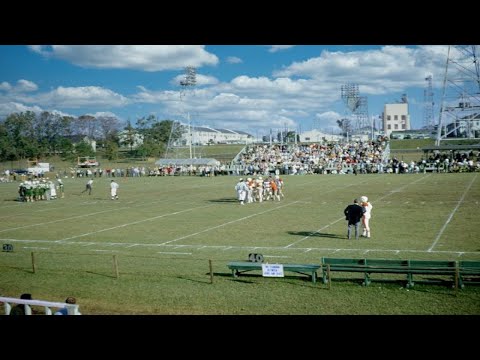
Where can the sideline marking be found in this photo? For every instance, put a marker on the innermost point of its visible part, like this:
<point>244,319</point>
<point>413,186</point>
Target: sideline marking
<point>451,215</point>
<point>249,248</point>
<point>173,252</point>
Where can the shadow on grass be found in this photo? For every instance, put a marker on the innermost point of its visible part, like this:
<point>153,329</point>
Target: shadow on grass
<point>236,279</point>
<point>224,200</point>
<point>105,275</point>
<point>316,234</point>
<point>192,280</point>
<point>28,271</point>
<point>290,279</point>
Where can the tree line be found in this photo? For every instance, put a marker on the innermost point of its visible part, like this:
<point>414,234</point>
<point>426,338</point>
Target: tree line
<point>33,135</point>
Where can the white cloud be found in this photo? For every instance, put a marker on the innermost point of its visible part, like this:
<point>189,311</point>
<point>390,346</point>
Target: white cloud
<point>390,69</point>
<point>5,86</point>
<point>234,60</point>
<point>22,86</point>
<point>76,97</point>
<point>201,80</point>
<point>8,108</point>
<point>138,57</point>
<point>275,48</point>
<point>25,86</point>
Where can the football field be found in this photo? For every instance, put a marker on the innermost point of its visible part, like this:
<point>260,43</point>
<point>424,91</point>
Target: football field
<point>164,230</point>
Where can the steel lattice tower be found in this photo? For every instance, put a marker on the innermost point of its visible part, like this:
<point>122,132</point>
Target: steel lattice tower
<point>428,104</point>
<point>357,105</point>
<point>187,83</point>
<point>461,93</point>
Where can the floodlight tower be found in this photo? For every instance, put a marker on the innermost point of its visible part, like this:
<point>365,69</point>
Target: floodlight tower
<point>356,104</point>
<point>428,121</point>
<point>461,93</point>
<point>189,81</point>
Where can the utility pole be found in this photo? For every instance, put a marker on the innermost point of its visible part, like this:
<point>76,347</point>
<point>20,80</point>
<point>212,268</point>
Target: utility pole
<point>190,80</point>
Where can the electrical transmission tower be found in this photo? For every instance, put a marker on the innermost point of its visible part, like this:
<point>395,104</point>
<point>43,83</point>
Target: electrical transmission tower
<point>357,105</point>
<point>188,82</point>
<point>461,94</point>
<point>428,103</point>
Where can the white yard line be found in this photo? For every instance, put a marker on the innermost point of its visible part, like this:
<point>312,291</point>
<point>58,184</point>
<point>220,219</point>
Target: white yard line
<point>452,213</point>
<point>173,252</point>
<point>276,256</point>
<point>133,223</point>
<point>227,223</point>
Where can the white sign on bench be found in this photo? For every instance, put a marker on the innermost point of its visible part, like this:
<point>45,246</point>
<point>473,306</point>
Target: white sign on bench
<point>272,270</point>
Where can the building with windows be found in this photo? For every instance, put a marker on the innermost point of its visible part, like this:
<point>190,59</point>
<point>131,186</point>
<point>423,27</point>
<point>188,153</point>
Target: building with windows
<point>396,118</point>
<point>203,135</point>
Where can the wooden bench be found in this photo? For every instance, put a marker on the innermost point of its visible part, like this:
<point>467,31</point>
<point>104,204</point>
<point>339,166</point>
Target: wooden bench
<point>239,267</point>
<point>391,266</point>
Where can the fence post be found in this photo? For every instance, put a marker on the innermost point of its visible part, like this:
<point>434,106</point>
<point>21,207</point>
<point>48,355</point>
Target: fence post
<point>211,271</point>
<point>457,274</point>
<point>115,266</point>
<point>328,277</point>
<point>33,263</point>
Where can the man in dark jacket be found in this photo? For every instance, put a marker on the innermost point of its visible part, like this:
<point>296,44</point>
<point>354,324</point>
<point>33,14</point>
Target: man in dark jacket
<point>353,213</point>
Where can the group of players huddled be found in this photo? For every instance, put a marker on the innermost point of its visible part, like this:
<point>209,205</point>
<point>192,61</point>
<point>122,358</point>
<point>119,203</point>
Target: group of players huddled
<point>259,189</point>
<point>36,190</point>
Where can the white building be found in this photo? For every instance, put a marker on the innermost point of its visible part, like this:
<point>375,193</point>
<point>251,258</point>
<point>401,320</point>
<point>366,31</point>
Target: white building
<point>203,135</point>
<point>396,118</point>
<point>136,139</point>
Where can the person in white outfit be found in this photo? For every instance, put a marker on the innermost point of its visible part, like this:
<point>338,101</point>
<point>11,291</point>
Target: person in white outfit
<point>113,189</point>
<point>241,189</point>
<point>366,216</point>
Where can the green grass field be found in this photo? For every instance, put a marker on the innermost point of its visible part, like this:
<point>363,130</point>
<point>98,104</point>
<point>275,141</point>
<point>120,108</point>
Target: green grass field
<point>163,232</point>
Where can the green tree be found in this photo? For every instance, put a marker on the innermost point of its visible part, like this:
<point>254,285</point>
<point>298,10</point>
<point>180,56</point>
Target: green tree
<point>111,150</point>
<point>129,136</point>
<point>83,149</point>
<point>22,137</point>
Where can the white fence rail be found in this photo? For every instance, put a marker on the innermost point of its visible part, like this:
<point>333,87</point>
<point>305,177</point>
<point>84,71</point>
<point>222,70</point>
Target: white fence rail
<point>71,308</point>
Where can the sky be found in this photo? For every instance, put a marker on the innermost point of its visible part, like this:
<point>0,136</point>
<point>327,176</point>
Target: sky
<point>252,88</point>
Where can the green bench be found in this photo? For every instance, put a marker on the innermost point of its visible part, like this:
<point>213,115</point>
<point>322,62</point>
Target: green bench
<point>239,267</point>
<point>469,272</point>
<point>391,266</point>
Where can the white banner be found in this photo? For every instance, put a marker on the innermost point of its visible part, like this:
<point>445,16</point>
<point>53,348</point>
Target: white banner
<point>272,270</point>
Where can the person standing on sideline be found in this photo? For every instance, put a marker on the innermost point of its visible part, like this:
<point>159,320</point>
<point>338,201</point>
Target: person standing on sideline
<point>88,187</point>
<point>241,189</point>
<point>113,189</point>
<point>353,213</point>
<point>61,188</point>
<point>366,216</point>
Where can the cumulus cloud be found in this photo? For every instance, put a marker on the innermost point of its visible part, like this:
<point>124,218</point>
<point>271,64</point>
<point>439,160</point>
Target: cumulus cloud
<point>26,86</point>
<point>5,86</point>
<point>379,71</point>
<point>10,107</point>
<point>234,60</point>
<point>76,97</point>
<point>275,48</point>
<point>21,86</point>
<point>137,57</point>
